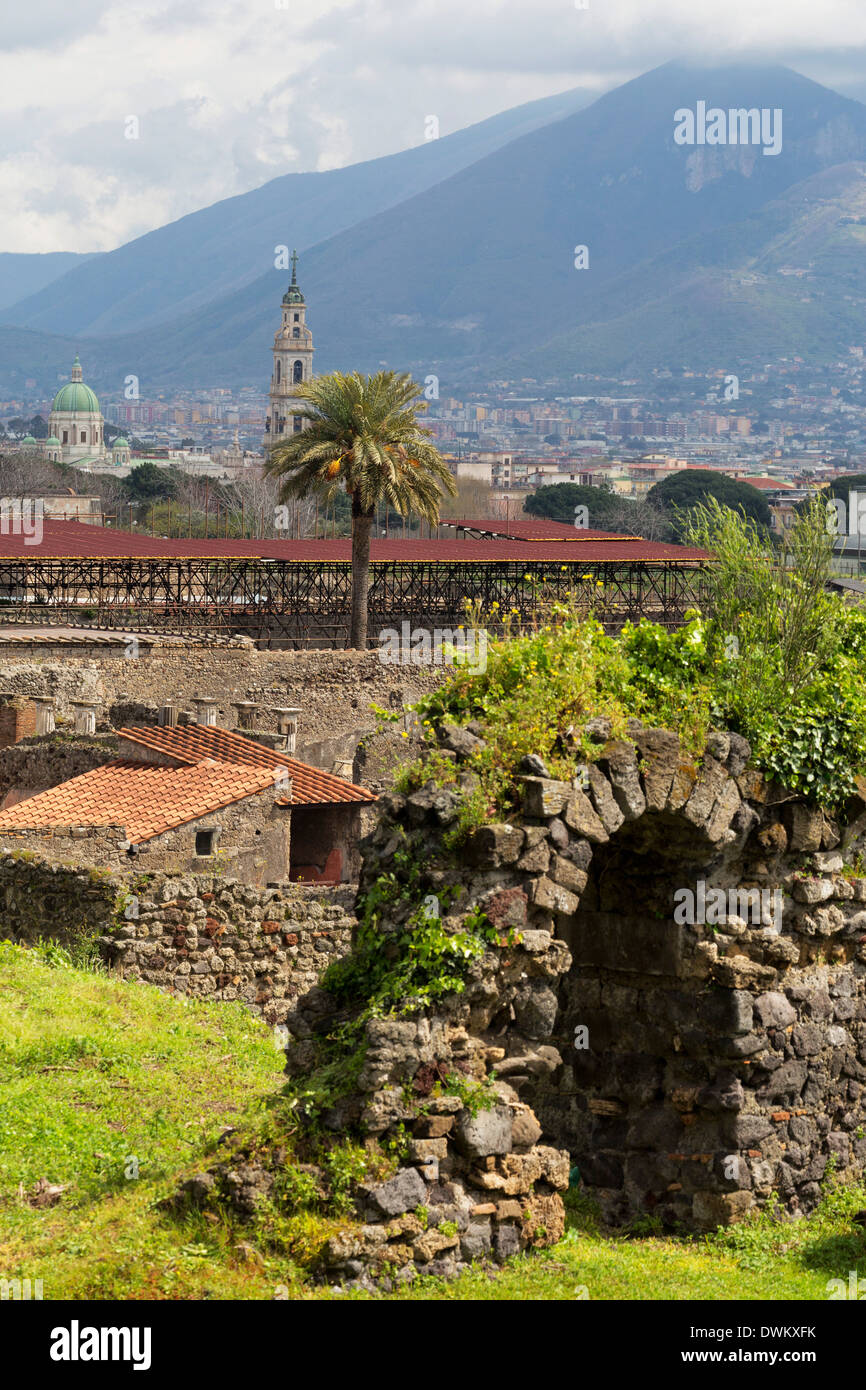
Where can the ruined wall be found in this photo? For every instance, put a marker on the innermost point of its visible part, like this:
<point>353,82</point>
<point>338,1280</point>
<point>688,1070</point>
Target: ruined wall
<point>325,843</point>
<point>690,1061</point>
<point>17,720</point>
<point>197,935</point>
<point>224,940</point>
<point>333,689</point>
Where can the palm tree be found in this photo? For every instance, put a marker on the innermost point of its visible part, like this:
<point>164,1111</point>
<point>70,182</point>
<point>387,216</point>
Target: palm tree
<point>362,434</point>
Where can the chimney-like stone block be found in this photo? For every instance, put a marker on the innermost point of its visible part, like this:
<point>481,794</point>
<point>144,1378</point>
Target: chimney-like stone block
<point>288,717</point>
<point>206,710</point>
<point>45,714</point>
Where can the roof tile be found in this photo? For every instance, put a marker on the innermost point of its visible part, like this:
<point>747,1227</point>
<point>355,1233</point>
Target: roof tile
<point>146,798</point>
<point>195,743</point>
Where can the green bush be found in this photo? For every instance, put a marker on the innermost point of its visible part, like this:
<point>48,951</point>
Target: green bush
<point>774,656</point>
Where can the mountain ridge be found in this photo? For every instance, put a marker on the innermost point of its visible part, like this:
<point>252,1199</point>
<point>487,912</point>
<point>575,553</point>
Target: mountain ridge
<point>189,262</point>
<point>475,275</point>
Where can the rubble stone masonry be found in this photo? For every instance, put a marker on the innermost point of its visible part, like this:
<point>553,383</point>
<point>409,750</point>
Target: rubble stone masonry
<point>204,936</point>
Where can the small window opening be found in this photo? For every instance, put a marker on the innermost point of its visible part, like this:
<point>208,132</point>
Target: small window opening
<point>204,842</point>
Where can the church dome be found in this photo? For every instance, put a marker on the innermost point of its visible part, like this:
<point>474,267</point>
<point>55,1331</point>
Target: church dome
<point>52,441</point>
<point>120,443</point>
<point>28,439</point>
<point>75,395</point>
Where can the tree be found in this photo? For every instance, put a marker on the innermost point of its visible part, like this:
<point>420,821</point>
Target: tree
<point>606,510</point>
<point>557,501</point>
<point>473,497</point>
<point>362,436</point>
<point>28,474</point>
<point>771,615</point>
<point>695,486</point>
<point>147,483</point>
<point>839,488</point>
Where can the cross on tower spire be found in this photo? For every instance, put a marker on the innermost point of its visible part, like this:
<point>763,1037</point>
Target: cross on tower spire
<point>294,267</point>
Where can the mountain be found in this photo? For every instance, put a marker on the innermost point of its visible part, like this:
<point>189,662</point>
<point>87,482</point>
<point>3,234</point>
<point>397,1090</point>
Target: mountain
<point>23,273</point>
<point>189,263</point>
<point>788,281</point>
<point>689,253</point>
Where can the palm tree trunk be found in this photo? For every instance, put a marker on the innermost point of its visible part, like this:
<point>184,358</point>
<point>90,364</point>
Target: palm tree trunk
<point>362,523</point>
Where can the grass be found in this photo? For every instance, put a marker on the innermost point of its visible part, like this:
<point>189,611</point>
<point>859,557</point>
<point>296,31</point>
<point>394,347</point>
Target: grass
<point>94,1073</point>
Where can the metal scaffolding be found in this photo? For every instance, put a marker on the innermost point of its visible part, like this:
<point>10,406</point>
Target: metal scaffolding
<point>288,602</point>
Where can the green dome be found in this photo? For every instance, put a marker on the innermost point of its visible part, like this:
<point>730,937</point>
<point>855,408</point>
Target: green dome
<point>120,443</point>
<point>52,441</point>
<point>28,439</point>
<point>76,396</point>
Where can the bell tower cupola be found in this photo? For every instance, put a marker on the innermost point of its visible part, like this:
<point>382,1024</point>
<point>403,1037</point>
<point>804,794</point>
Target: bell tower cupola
<point>293,361</point>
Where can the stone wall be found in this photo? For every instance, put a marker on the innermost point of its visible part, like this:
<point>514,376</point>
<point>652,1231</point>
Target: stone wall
<point>222,939</point>
<point>677,1006</point>
<point>333,689</point>
<point>35,764</point>
<point>197,935</point>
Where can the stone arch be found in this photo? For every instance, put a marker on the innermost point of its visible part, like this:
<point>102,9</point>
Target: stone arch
<point>716,1063</point>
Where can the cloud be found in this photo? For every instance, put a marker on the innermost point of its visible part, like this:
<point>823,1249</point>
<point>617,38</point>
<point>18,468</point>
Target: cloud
<point>230,94</point>
<point>44,24</point>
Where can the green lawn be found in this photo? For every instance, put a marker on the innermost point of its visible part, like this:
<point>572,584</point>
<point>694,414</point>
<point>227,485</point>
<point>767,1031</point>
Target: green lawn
<point>100,1081</point>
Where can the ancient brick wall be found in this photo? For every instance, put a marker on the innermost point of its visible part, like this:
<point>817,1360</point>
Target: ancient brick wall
<point>197,935</point>
<point>17,720</point>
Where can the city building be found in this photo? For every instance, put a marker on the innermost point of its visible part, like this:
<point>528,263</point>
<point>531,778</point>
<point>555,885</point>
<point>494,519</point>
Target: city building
<point>77,429</point>
<point>293,363</point>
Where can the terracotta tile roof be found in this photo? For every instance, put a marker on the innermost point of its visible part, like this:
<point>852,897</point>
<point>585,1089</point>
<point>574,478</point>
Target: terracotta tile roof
<point>145,798</point>
<point>190,743</point>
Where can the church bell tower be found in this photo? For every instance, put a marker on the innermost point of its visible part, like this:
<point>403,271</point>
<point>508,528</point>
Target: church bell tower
<point>293,362</point>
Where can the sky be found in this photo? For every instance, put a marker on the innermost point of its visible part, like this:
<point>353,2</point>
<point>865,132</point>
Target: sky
<point>118,118</point>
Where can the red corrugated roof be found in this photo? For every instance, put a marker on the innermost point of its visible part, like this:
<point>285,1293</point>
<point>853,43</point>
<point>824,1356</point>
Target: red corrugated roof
<point>477,551</point>
<point>191,743</point>
<point>62,539</point>
<point>71,539</point>
<point>533,529</point>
